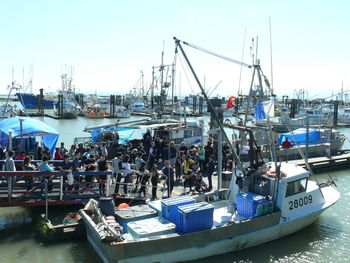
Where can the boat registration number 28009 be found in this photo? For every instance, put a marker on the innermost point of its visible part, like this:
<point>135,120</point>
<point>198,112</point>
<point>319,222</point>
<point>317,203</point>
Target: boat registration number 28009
<point>293,204</point>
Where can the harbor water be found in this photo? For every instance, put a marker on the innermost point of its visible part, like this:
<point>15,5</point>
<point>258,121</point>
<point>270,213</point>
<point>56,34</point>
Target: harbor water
<point>326,240</point>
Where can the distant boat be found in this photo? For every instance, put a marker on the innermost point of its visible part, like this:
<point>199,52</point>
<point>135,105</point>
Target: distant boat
<point>138,106</point>
<point>31,101</point>
<point>69,108</point>
<point>8,111</point>
<point>95,112</point>
<point>122,112</point>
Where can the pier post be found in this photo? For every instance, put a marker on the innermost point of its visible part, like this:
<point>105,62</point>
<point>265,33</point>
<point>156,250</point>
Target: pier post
<point>200,109</point>
<point>41,102</point>
<point>293,108</point>
<point>112,106</point>
<point>60,106</point>
<point>335,113</point>
<point>194,100</point>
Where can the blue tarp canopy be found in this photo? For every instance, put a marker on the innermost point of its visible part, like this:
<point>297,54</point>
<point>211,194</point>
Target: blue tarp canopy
<point>300,136</point>
<point>30,127</point>
<point>125,134</point>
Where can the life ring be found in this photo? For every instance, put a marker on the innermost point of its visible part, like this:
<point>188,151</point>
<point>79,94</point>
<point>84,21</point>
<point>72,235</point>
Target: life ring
<point>272,174</point>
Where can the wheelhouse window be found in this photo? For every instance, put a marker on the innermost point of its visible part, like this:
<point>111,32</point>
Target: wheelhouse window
<point>188,134</point>
<point>197,132</point>
<point>296,187</point>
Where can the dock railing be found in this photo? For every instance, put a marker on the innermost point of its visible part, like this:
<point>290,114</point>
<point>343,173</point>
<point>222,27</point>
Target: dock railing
<point>28,188</point>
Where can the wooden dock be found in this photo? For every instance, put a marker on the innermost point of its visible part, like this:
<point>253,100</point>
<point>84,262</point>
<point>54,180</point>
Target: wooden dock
<point>324,164</point>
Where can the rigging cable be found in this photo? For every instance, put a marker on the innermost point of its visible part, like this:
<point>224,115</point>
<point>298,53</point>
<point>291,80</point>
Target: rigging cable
<point>216,54</point>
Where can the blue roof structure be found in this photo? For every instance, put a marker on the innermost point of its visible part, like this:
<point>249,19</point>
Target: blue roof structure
<point>30,127</point>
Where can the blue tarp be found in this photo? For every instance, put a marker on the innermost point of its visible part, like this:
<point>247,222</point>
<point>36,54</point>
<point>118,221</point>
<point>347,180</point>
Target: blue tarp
<point>30,127</point>
<point>125,134</point>
<point>259,112</point>
<point>300,136</point>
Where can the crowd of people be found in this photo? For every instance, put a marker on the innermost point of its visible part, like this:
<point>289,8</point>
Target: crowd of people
<point>133,165</point>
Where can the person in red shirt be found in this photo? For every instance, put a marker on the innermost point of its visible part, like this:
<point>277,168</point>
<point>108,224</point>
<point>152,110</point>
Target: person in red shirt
<point>19,166</point>
<point>58,155</point>
<point>285,146</point>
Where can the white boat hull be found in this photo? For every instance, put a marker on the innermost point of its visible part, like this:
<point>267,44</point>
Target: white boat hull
<point>107,252</point>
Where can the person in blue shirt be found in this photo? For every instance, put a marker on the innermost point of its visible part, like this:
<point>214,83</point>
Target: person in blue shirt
<point>45,167</point>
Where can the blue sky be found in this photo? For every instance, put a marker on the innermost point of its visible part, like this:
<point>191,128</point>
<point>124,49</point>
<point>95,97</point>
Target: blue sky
<point>108,43</point>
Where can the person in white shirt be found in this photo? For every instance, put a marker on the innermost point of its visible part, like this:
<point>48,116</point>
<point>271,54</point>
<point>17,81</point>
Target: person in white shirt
<point>117,167</point>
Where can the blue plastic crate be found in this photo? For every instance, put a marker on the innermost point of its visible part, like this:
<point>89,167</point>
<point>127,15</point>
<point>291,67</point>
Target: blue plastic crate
<point>247,204</point>
<point>170,207</point>
<point>195,217</point>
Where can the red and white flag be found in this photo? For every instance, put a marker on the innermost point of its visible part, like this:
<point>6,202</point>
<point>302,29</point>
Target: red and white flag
<point>231,103</point>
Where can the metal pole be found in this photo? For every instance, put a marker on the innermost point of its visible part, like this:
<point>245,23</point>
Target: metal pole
<point>61,188</point>
<point>219,170</point>
<point>152,90</point>
<point>10,139</point>
<point>21,132</point>
<point>330,143</point>
<point>307,139</point>
<point>46,201</point>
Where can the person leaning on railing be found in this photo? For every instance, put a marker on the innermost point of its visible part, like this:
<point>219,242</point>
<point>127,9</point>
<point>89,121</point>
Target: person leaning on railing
<point>45,167</point>
<point>28,166</point>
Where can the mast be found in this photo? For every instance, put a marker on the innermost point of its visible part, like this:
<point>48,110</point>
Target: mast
<point>236,158</point>
<point>152,90</point>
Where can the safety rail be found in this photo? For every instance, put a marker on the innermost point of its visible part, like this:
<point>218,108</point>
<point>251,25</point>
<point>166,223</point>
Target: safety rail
<point>33,188</point>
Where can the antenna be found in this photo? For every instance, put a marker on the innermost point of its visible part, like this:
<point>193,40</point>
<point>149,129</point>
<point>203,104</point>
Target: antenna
<point>240,72</point>
<point>271,56</point>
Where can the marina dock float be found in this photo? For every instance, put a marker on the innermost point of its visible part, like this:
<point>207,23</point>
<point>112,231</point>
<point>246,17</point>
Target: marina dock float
<point>321,164</point>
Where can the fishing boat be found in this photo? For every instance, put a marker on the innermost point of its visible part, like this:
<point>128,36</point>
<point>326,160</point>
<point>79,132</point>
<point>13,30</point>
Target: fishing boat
<point>95,112</point>
<point>315,116</point>
<point>269,205</point>
<point>54,229</point>
<point>8,111</point>
<point>189,133</point>
<point>67,107</point>
<point>262,203</point>
<point>314,142</point>
<point>30,101</point>
<point>122,112</point>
